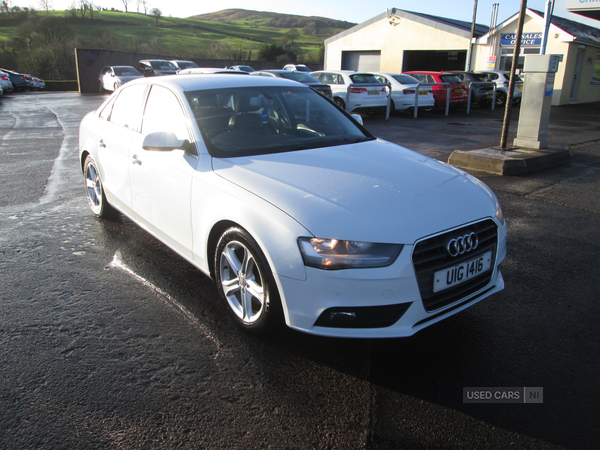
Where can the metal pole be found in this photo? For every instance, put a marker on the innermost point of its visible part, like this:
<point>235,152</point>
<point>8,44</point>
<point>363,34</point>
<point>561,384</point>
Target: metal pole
<point>513,71</point>
<point>547,19</point>
<point>470,57</point>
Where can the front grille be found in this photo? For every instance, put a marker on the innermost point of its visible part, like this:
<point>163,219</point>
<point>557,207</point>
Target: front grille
<point>430,255</point>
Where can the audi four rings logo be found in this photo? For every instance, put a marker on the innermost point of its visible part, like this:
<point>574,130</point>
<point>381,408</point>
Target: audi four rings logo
<point>462,244</point>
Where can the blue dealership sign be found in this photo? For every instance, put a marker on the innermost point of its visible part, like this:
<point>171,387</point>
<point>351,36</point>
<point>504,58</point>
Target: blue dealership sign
<point>527,39</point>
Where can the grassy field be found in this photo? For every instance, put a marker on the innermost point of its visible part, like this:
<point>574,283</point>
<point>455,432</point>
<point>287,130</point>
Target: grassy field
<point>171,32</point>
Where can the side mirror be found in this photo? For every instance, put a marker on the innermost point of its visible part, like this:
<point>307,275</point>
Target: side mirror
<point>163,141</point>
<point>358,118</point>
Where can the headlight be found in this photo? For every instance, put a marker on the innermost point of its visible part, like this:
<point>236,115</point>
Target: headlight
<point>332,254</point>
<point>500,214</point>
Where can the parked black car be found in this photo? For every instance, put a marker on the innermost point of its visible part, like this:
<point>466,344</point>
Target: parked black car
<point>19,80</point>
<point>301,77</point>
<point>155,67</point>
<point>481,94</point>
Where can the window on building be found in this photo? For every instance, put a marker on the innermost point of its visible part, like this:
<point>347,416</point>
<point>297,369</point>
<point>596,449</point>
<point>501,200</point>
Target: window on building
<point>596,76</point>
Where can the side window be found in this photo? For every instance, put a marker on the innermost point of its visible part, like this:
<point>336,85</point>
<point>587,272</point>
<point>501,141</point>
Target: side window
<point>105,113</point>
<point>418,76</point>
<point>127,109</point>
<point>340,80</point>
<point>163,113</point>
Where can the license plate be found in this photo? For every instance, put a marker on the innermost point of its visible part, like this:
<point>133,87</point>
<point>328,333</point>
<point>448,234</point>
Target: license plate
<point>373,92</point>
<point>447,278</point>
<point>423,92</point>
<point>459,91</point>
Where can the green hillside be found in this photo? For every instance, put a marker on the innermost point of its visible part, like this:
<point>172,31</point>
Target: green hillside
<point>42,42</point>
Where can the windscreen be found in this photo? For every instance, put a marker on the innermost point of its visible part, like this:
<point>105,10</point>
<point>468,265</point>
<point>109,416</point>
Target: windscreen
<point>163,65</point>
<point>126,71</point>
<point>405,79</point>
<point>259,120</point>
<point>302,77</point>
<point>450,79</point>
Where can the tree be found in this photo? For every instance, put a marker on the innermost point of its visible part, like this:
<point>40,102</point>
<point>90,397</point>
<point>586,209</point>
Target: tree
<point>292,33</point>
<point>83,6</point>
<point>270,52</point>
<point>125,3</point>
<point>5,7</point>
<point>157,13</point>
<point>45,5</point>
<point>55,30</point>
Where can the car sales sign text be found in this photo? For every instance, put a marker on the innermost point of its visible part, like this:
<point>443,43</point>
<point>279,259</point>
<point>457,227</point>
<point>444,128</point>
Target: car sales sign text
<point>527,39</point>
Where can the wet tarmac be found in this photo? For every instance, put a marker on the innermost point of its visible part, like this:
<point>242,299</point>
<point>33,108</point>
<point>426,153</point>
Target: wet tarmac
<point>110,340</point>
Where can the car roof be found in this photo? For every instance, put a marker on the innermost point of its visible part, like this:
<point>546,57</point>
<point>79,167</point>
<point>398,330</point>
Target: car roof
<point>339,71</point>
<point>431,72</point>
<point>343,72</point>
<point>194,82</point>
<point>207,70</point>
<point>273,70</point>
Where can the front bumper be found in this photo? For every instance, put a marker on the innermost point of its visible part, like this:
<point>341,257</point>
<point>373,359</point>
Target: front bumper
<point>384,302</point>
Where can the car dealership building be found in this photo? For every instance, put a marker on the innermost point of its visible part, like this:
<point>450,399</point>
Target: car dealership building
<point>398,41</point>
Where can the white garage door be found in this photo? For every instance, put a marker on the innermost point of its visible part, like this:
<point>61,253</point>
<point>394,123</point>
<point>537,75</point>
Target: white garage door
<point>366,61</point>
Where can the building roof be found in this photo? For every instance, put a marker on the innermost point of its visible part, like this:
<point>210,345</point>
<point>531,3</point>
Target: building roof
<point>578,32</point>
<point>395,15</point>
<point>480,30</point>
<point>581,32</point>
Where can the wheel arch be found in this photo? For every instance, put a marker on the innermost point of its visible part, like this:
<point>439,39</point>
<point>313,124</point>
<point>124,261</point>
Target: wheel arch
<point>213,239</point>
<point>83,157</point>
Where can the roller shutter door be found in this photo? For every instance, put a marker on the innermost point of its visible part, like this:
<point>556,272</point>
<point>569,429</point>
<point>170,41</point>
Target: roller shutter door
<point>365,61</point>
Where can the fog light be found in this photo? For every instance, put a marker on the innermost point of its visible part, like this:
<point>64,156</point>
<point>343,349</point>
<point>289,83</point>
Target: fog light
<point>346,316</point>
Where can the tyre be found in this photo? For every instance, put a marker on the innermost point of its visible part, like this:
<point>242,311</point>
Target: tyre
<point>100,88</point>
<point>95,193</point>
<point>500,98</point>
<point>245,282</point>
<point>338,101</point>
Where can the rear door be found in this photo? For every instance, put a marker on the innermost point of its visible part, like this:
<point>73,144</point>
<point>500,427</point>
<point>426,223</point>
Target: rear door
<point>117,125</point>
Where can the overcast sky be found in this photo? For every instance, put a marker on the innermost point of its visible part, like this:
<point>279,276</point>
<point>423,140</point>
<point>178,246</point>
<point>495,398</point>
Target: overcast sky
<point>349,10</point>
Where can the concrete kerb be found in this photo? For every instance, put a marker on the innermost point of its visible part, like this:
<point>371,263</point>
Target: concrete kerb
<point>513,161</point>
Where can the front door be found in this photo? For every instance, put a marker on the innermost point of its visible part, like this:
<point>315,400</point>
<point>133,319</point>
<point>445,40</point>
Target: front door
<point>161,180</point>
<point>573,95</point>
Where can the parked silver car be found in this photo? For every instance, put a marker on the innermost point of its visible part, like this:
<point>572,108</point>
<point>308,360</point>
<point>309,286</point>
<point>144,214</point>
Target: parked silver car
<point>183,64</point>
<point>502,79</point>
<point>404,91</point>
<point>5,82</point>
<point>113,77</point>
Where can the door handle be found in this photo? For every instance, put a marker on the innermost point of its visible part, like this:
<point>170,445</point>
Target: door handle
<point>135,160</point>
<point>102,144</point>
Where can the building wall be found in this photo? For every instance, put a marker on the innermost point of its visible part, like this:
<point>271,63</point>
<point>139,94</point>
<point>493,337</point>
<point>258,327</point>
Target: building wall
<point>558,43</point>
<point>392,40</point>
<point>406,34</point>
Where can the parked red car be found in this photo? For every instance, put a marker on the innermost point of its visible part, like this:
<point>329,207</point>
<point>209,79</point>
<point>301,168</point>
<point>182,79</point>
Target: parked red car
<point>459,93</point>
